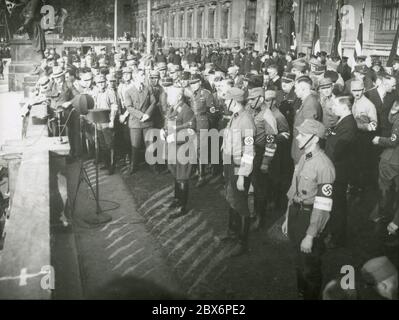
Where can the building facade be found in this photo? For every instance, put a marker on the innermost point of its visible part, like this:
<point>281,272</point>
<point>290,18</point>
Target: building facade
<point>236,22</point>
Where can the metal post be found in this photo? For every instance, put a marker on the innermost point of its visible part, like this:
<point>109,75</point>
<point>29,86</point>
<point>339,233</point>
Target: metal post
<point>116,24</point>
<point>148,26</point>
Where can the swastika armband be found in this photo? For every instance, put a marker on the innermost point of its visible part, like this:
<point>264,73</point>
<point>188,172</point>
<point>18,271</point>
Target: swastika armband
<point>249,141</point>
<point>323,200</point>
<point>248,159</point>
<point>394,137</point>
<point>270,138</point>
<point>270,150</point>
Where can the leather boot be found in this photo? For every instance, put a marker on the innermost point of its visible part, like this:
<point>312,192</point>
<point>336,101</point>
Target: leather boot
<point>183,197</point>
<point>176,199</point>
<point>201,176</point>
<point>133,163</point>
<point>242,245</point>
<point>111,168</point>
<point>231,233</point>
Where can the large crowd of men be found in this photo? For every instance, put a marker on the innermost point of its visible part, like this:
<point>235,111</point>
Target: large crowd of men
<point>320,130</point>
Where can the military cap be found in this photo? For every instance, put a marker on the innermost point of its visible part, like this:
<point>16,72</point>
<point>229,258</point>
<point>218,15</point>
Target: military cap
<point>315,62</point>
<point>357,85</point>
<point>325,83</point>
<point>237,48</point>
<point>130,57</point>
<point>361,58</point>
<point>75,58</point>
<point>301,55</point>
<point>120,57</point>
<point>377,270</point>
<point>323,53</point>
<point>256,93</point>
<point>86,76</point>
<point>255,80</point>
<point>167,82</point>
<point>305,79</point>
<point>332,64</point>
<point>235,94</point>
<point>232,70</point>
<point>154,74</point>
<point>100,78</point>
<point>333,75</point>
<point>208,65</point>
<point>111,77</point>
<point>195,78</point>
<point>300,65</point>
<point>270,94</point>
<point>58,72</point>
<point>361,68</point>
<point>288,77</point>
<point>174,68</point>
<point>127,70</point>
<point>345,58</point>
<point>376,62</point>
<point>186,76</point>
<point>314,127</point>
<point>161,66</point>
<point>44,81</point>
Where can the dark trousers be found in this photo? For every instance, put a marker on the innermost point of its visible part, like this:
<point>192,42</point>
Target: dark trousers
<point>137,138</point>
<point>308,265</point>
<point>339,214</point>
<point>261,183</point>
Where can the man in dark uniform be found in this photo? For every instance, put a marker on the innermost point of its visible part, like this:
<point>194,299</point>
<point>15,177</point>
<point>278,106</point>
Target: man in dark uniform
<point>309,206</point>
<point>344,70</point>
<point>389,176</point>
<point>202,103</point>
<point>275,82</point>
<point>383,98</point>
<point>140,104</point>
<point>160,57</point>
<point>339,148</point>
<point>106,99</point>
<point>310,109</point>
<point>179,125</point>
<point>238,157</point>
<point>265,148</point>
<point>286,98</point>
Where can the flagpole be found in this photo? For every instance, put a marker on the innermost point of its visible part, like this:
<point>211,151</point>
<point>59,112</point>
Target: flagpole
<point>116,24</point>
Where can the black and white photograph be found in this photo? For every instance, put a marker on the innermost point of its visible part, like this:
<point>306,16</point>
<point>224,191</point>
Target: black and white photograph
<point>199,155</point>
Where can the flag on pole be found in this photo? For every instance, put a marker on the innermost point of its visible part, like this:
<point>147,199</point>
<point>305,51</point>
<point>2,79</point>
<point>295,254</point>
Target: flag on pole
<point>316,39</point>
<point>10,6</point>
<point>359,40</point>
<point>394,49</point>
<point>336,49</point>
<point>269,39</point>
<point>293,42</point>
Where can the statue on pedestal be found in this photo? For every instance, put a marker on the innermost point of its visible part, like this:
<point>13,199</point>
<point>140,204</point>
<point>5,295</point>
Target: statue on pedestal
<point>29,15</point>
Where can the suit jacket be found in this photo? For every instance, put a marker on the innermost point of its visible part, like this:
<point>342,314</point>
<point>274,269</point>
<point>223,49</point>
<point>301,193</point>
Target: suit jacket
<point>139,103</point>
<point>383,108</point>
<point>310,109</point>
<point>339,147</point>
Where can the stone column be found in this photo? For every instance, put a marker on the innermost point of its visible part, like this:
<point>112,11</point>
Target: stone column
<point>265,10</point>
<point>238,19</point>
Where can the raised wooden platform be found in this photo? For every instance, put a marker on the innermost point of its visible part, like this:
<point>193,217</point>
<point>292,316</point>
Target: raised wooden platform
<point>26,270</point>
